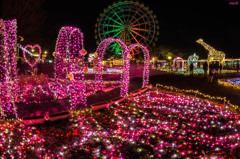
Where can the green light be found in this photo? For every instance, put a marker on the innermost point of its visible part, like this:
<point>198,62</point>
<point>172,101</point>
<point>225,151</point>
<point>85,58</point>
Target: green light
<point>111,31</point>
<point>118,17</point>
<point>115,35</point>
<point>107,17</point>
<point>111,25</point>
<point>115,48</point>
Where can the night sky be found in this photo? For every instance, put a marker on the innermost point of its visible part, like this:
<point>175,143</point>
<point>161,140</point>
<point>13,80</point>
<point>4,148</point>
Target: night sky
<point>181,23</point>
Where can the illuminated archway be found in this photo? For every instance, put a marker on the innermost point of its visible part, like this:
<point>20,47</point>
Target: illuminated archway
<point>67,57</point>
<point>68,47</point>
<point>125,73</point>
<point>8,79</point>
<point>174,62</point>
<point>146,62</point>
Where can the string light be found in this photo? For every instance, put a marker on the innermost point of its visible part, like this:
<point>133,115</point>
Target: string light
<point>9,78</point>
<point>234,82</point>
<point>26,51</point>
<point>174,61</point>
<point>213,54</point>
<point>69,52</point>
<point>196,92</point>
<point>99,67</point>
<point>126,55</point>
<point>152,125</point>
<point>146,62</point>
<point>157,123</point>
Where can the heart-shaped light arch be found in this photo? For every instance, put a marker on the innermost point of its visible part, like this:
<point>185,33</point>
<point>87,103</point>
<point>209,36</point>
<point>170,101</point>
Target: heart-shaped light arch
<point>39,54</point>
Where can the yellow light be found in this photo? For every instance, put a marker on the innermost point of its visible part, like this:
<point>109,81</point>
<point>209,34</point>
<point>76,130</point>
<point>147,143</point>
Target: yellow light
<point>169,57</point>
<point>212,52</point>
<point>32,50</point>
<point>45,52</point>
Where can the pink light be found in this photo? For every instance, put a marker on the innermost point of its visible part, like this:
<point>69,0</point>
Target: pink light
<point>178,58</point>
<point>9,79</point>
<point>125,75</point>
<point>39,56</point>
<point>146,61</point>
<point>69,50</point>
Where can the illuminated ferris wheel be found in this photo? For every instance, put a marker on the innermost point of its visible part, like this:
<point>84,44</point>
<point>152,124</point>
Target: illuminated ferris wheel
<point>129,21</point>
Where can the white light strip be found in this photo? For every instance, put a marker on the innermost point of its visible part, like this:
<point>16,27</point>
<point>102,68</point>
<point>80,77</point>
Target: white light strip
<point>21,47</point>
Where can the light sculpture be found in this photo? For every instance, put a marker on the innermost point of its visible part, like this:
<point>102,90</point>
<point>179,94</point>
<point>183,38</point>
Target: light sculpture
<point>8,81</point>
<point>193,59</point>
<point>174,63</point>
<point>146,61</point>
<point>26,51</point>
<point>212,53</point>
<point>99,67</point>
<point>68,59</point>
<point>32,64</point>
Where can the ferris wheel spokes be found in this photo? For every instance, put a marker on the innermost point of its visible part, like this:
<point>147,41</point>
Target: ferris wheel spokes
<point>128,21</point>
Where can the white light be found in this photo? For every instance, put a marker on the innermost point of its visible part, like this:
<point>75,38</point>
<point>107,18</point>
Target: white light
<point>21,47</point>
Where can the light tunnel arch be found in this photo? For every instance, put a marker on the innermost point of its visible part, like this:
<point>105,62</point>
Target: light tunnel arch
<point>125,73</point>
<point>67,53</point>
<point>146,61</point>
<point>68,45</point>
<point>174,63</point>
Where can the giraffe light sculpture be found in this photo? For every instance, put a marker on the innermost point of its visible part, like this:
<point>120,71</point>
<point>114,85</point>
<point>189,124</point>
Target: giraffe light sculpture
<point>213,54</point>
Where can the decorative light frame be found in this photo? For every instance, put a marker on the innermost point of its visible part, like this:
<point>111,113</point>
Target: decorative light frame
<point>126,64</point>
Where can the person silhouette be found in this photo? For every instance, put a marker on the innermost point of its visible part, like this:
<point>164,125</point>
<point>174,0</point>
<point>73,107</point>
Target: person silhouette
<point>191,69</point>
<point>211,72</point>
<point>205,68</point>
